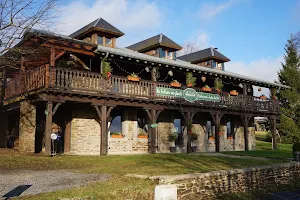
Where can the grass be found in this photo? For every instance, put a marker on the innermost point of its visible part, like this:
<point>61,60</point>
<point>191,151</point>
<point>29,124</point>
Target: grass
<point>264,149</point>
<point>261,135</point>
<point>120,187</point>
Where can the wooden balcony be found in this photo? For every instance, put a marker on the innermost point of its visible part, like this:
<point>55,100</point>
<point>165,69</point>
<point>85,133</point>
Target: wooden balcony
<point>93,84</point>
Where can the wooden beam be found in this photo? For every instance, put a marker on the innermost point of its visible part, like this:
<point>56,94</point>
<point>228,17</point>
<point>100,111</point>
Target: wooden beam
<point>55,108</point>
<point>60,55</point>
<point>109,111</point>
<point>153,135</point>
<point>48,125</point>
<point>71,49</point>
<point>104,144</point>
<point>22,64</point>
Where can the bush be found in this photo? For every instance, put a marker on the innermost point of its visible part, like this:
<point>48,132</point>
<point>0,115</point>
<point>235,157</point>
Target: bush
<point>172,136</point>
<point>296,147</point>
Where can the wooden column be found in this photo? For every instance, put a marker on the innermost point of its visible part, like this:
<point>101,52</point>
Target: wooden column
<point>52,56</point>
<point>153,116</point>
<point>273,131</point>
<point>245,120</point>
<point>103,114</point>
<point>188,119</point>
<point>22,64</point>
<point>217,119</point>
<point>3,86</point>
<point>67,135</point>
<point>48,124</point>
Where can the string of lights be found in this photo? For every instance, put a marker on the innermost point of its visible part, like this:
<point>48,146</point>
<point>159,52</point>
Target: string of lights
<point>127,72</point>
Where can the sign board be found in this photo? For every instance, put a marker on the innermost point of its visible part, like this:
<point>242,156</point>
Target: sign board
<point>154,125</point>
<point>188,94</point>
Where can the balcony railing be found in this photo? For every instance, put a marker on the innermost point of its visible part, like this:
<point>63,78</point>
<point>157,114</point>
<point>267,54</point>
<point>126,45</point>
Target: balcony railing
<point>94,84</point>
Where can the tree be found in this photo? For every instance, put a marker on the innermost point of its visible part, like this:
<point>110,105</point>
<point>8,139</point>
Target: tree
<point>188,48</point>
<point>289,126</point>
<point>16,16</point>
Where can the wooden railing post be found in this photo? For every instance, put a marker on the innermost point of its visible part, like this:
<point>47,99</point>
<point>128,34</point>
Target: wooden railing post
<point>47,72</point>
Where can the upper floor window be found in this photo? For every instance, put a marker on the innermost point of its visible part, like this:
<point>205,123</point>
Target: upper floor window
<point>219,65</point>
<point>100,40</point>
<point>108,41</point>
<point>170,55</point>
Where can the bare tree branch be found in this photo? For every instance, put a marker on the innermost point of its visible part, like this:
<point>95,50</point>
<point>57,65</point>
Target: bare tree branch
<point>188,48</point>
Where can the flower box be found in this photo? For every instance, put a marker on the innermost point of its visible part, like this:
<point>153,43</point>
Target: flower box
<point>211,138</point>
<point>263,97</point>
<point>206,89</point>
<point>142,136</point>
<point>233,93</point>
<point>132,78</point>
<point>218,91</point>
<point>190,85</point>
<point>230,138</point>
<point>175,84</point>
<point>116,136</point>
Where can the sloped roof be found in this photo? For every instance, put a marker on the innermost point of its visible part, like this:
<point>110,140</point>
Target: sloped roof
<point>202,55</point>
<point>158,40</point>
<point>99,24</point>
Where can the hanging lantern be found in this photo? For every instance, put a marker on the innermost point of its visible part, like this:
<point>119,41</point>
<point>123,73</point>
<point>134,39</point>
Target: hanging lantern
<point>147,69</point>
<point>108,75</point>
<point>170,73</point>
<point>259,89</point>
<point>203,78</point>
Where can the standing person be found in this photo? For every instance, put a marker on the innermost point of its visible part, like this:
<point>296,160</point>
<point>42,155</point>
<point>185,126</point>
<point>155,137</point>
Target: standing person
<point>59,141</point>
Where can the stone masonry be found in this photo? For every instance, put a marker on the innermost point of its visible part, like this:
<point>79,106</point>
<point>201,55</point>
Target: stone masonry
<point>27,127</point>
<point>85,132</point>
<point>214,184</point>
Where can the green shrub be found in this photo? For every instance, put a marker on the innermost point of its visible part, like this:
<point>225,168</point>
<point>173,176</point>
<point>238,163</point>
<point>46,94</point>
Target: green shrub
<point>296,146</point>
<point>172,136</point>
<point>268,137</point>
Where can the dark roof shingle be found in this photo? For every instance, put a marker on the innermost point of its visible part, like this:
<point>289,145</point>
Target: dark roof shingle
<point>98,24</point>
<point>158,40</point>
<point>202,55</point>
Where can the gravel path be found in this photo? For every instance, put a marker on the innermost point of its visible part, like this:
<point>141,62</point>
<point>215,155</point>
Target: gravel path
<point>34,182</point>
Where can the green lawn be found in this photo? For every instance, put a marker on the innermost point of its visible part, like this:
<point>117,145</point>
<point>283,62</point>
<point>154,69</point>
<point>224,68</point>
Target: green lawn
<point>120,187</point>
<point>264,149</point>
<point>261,135</point>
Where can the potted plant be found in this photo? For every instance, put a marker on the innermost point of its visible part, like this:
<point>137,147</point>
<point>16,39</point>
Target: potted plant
<point>234,93</point>
<point>218,85</point>
<point>194,137</point>
<point>133,77</point>
<point>273,92</point>
<point>296,151</point>
<point>206,88</point>
<point>190,80</point>
<point>171,138</point>
<point>106,70</point>
<point>263,97</point>
<point>116,135</point>
<point>175,83</point>
<point>142,134</point>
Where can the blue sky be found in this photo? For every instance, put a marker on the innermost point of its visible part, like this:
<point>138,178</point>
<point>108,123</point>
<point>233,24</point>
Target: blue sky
<point>252,33</point>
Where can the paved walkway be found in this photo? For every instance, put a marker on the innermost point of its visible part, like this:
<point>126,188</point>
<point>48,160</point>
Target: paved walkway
<point>27,182</point>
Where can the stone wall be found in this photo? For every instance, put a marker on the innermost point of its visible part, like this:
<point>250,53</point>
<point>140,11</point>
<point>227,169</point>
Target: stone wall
<point>165,127</point>
<point>130,143</point>
<point>85,132</point>
<point>27,127</point>
<point>213,184</point>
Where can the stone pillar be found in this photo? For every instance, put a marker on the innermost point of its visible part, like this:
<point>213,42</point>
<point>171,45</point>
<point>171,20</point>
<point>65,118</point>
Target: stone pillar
<point>3,129</point>
<point>27,127</point>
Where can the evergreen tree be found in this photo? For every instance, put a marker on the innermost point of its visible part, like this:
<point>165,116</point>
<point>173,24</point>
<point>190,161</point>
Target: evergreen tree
<point>289,126</point>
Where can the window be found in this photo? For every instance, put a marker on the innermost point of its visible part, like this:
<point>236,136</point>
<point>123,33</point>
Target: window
<point>219,66</point>
<point>100,40</point>
<point>210,130</point>
<point>178,129</point>
<point>116,125</point>
<point>108,41</point>
<point>230,128</point>
<point>162,53</point>
<point>170,55</point>
<point>142,125</point>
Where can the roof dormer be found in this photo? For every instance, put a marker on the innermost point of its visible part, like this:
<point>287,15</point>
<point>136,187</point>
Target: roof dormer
<point>209,57</point>
<point>98,32</point>
<point>159,46</point>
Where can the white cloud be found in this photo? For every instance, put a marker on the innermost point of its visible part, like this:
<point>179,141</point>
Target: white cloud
<point>208,11</point>
<point>264,69</point>
<point>135,18</point>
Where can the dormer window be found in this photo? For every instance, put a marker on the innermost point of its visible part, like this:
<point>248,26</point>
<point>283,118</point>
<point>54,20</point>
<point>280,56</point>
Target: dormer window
<point>170,55</point>
<point>100,40</point>
<point>108,41</point>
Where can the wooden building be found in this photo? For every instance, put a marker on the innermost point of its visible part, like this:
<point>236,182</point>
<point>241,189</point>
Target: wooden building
<point>110,100</point>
